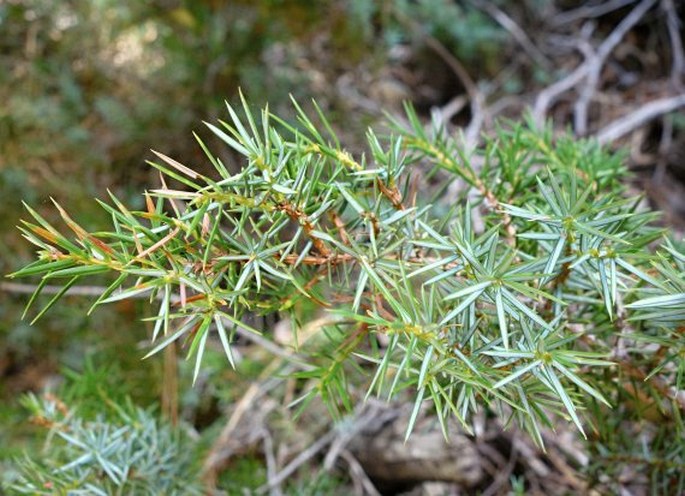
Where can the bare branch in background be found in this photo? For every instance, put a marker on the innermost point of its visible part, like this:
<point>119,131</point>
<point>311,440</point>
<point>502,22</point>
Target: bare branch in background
<point>302,458</point>
<point>589,69</point>
<point>589,11</point>
<point>625,124</point>
<point>674,27</point>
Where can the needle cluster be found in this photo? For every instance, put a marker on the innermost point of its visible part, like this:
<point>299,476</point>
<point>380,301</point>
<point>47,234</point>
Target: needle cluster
<point>516,277</point>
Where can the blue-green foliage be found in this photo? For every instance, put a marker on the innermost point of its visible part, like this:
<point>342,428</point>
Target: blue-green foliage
<point>132,452</point>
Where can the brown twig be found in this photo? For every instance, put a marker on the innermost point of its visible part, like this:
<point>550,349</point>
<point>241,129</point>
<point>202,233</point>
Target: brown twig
<point>332,259</point>
<point>392,193</point>
<point>340,226</point>
<point>503,474</point>
<point>297,215</point>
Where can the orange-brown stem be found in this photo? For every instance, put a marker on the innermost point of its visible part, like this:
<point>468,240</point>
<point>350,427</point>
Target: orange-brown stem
<point>392,193</point>
<point>297,215</point>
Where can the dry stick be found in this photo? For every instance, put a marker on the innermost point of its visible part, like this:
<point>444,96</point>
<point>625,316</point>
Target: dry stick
<point>215,457</point>
<point>271,463</point>
<point>551,93</point>
<point>562,455</point>
<point>519,34</point>
<point>587,91</point>
<point>491,459</point>
<point>503,476</point>
<point>674,24</point>
<point>358,472</point>
<point>444,114</point>
<point>547,96</point>
<point>588,12</point>
<point>363,417</point>
<point>623,27</point>
<point>170,384</point>
<point>596,63</point>
<point>266,383</point>
<point>559,462</point>
<point>666,140</point>
<point>298,461</point>
<point>626,124</point>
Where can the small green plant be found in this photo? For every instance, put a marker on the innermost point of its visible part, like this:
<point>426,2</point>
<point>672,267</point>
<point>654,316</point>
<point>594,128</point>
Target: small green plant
<point>130,453</point>
<point>528,288</point>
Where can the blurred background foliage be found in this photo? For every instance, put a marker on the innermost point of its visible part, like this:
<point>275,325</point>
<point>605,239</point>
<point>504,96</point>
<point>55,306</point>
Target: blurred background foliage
<point>88,86</point>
